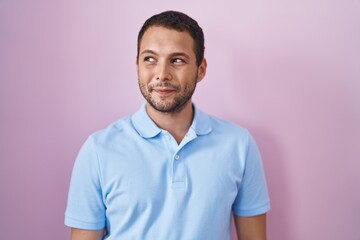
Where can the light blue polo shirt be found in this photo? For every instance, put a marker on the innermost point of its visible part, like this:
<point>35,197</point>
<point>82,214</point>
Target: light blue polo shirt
<point>135,180</point>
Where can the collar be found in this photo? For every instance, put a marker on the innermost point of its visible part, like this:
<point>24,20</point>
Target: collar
<point>148,129</point>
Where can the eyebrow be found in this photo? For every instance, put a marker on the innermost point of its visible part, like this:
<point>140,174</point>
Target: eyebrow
<point>148,51</point>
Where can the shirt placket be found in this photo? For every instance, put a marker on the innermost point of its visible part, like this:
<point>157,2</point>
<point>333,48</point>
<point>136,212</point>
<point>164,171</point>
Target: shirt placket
<point>177,171</point>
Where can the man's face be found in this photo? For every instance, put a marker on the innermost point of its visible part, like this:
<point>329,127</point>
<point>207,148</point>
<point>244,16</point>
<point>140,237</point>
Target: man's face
<point>167,68</point>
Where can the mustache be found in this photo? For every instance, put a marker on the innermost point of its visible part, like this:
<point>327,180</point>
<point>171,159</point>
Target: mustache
<point>163,85</point>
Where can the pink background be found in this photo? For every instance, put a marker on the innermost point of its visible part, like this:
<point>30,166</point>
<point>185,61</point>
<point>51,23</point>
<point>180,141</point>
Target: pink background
<point>287,70</point>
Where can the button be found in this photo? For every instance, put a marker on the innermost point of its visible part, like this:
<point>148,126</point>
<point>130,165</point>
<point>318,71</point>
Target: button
<point>177,157</point>
<point>167,136</point>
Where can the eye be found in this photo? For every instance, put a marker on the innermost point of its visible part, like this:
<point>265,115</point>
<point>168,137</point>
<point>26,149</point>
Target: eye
<point>149,59</point>
<point>177,60</point>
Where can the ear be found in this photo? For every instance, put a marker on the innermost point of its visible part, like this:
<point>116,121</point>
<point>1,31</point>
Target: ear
<point>202,70</point>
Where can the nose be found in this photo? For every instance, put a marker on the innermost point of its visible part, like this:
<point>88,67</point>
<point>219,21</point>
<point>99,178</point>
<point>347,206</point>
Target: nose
<point>163,72</point>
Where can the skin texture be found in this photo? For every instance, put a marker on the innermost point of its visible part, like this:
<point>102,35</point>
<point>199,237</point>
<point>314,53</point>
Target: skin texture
<point>80,234</point>
<point>251,228</point>
<point>167,77</point>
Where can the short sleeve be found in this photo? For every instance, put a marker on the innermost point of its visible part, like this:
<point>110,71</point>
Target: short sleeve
<point>252,198</point>
<point>85,207</point>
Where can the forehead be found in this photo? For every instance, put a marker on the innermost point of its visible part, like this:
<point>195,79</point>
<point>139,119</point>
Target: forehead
<point>164,40</point>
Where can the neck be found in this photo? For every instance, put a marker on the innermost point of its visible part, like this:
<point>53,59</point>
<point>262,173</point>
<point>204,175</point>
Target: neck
<point>176,123</point>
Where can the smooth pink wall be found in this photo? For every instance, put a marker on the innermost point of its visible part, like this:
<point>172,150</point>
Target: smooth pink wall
<point>289,71</point>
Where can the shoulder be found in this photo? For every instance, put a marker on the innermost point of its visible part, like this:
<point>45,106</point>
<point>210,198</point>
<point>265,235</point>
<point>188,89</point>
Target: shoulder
<point>227,127</point>
<point>205,123</point>
<point>112,132</point>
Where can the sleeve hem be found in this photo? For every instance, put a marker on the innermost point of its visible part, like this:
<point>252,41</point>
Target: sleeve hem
<point>74,223</point>
<point>252,212</point>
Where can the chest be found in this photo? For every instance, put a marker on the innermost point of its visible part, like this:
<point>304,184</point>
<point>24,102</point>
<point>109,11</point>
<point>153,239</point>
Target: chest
<point>156,174</point>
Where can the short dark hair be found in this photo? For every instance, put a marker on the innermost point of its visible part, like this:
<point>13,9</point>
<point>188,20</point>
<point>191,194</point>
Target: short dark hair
<point>180,22</point>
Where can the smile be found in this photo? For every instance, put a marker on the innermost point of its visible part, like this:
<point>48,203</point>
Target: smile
<point>164,91</point>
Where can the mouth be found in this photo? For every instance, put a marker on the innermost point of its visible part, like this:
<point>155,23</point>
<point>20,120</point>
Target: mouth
<point>163,91</point>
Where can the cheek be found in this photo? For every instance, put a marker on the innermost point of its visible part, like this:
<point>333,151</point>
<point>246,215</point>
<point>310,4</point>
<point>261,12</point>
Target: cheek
<point>145,74</point>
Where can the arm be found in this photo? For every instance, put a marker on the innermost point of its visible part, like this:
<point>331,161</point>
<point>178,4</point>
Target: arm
<point>251,228</point>
<point>81,234</point>
<point>85,207</point>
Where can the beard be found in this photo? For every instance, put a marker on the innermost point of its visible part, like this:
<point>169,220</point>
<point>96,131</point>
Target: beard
<point>164,105</point>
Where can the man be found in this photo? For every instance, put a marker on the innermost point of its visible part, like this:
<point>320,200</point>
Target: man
<point>170,171</point>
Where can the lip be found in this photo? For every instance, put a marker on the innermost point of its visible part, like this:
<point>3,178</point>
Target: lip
<point>164,91</point>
